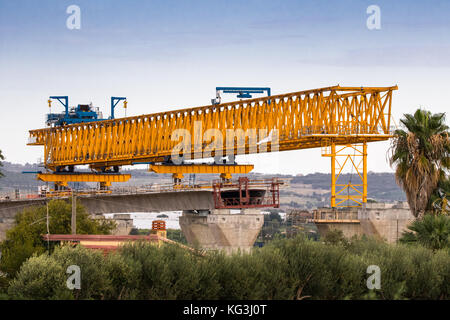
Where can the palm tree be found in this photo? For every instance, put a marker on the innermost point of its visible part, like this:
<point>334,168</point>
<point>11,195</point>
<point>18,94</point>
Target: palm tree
<point>433,232</point>
<point>421,155</point>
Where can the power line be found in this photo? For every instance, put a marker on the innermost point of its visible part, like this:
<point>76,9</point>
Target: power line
<point>48,232</point>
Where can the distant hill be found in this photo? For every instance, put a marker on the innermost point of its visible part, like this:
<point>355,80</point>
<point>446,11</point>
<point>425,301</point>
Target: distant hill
<point>380,186</point>
<point>17,167</point>
<point>14,178</point>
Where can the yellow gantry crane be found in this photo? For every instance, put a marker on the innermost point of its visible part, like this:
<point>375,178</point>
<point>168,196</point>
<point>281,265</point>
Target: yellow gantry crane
<point>339,120</point>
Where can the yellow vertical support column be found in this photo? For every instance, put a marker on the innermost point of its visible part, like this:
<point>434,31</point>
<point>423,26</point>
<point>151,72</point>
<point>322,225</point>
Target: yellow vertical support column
<point>364,196</point>
<point>333,174</point>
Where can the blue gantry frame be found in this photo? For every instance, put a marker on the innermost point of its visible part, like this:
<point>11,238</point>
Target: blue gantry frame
<point>114,102</point>
<point>65,103</point>
<point>244,92</point>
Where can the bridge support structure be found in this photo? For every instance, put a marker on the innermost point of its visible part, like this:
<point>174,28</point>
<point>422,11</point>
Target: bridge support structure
<point>221,230</point>
<point>353,157</point>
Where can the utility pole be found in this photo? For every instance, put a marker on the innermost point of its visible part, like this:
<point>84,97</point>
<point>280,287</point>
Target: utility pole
<point>74,213</point>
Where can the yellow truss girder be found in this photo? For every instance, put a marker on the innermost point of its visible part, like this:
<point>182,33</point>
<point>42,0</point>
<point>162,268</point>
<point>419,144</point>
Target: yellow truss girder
<point>202,168</point>
<point>64,179</point>
<point>302,119</point>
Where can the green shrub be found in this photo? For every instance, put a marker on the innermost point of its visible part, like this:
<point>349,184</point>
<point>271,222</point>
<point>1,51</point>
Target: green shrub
<point>95,279</point>
<point>335,237</point>
<point>285,269</point>
<point>259,275</point>
<point>45,277</point>
<point>407,272</point>
<point>41,277</point>
<point>124,277</point>
<point>433,231</point>
<point>168,272</point>
<point>321,271</point>
<point>25,238</point>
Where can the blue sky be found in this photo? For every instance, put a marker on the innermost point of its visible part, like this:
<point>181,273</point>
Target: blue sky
<point>165,55</point>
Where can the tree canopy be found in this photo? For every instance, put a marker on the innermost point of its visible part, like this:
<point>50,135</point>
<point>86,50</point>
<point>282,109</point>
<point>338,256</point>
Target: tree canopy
<point>421,154</point>
<point>433,232</point>
<point>25,238</point>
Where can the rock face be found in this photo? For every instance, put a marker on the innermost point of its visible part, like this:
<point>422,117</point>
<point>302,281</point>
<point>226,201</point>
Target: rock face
<point>221,230</point>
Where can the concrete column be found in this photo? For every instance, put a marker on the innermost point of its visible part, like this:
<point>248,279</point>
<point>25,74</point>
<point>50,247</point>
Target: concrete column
<point>228,232</point>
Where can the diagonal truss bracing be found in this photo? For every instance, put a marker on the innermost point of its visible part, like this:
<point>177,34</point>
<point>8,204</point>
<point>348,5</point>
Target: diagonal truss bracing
<point>297,120</point>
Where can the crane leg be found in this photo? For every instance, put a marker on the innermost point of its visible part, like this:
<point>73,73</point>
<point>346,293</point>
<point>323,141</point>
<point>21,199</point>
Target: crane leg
<point>333,175</point>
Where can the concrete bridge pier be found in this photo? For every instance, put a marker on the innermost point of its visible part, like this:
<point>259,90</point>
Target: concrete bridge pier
<point>218,229</point>
<point>379,220</point>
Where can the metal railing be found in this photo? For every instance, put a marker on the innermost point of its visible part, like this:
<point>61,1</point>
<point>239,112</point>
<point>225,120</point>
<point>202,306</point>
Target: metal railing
<point>154,188</point>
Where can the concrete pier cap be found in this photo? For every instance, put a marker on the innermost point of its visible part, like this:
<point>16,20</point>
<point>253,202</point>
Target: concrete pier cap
<point>221,229</point>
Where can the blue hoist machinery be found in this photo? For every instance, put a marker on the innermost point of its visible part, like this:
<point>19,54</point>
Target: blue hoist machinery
<point>80,113</point>
<point>242,92</point>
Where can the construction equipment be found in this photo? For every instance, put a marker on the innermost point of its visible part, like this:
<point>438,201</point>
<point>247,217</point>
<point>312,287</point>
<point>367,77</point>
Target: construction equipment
<point>242,92</point>
<point>82,113</point>
<point>78,114</point>
<point>114,102</point>
<point>326,117</point>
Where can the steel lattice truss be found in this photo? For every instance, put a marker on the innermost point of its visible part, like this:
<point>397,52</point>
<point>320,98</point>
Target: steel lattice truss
<point>300,120</point>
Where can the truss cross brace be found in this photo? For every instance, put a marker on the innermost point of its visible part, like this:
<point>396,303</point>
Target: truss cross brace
<point>354,157</point>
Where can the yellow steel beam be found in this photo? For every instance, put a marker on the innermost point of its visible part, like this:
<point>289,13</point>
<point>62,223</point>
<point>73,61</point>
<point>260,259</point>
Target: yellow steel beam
<point>202,168</point>
<point>327,221</point>
<point>63,179</point>
<point>301,119</point>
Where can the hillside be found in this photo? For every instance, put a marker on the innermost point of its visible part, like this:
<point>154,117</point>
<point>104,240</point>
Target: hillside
<point>14,178</point>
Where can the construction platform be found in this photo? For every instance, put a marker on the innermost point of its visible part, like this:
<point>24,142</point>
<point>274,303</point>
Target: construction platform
<point>62,179</point>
